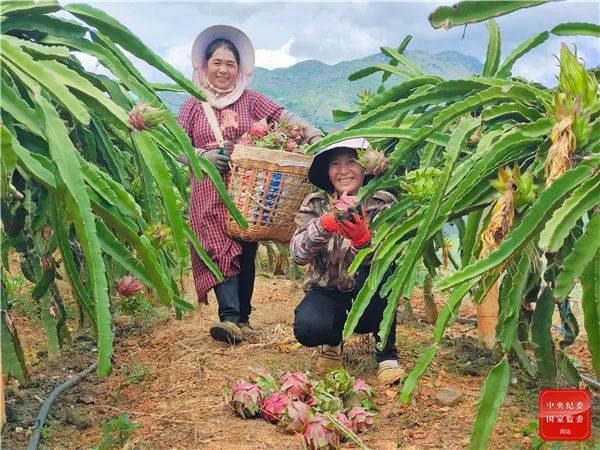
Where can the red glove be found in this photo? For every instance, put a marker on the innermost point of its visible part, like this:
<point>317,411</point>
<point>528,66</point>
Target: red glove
<point>355,228</point>
<point>329,223</point>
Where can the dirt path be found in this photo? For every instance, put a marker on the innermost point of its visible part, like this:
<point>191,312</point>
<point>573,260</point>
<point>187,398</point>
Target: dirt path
<point>171,378</point>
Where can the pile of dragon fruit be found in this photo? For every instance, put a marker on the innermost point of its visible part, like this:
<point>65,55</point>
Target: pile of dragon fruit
<point>326,411</point>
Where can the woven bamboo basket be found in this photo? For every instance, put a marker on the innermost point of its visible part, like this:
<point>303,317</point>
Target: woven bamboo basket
<point>268,187</point>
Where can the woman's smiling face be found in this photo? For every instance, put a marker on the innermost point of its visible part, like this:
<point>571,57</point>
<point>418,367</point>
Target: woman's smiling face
<point>222,69</point>
<point>345,173</point>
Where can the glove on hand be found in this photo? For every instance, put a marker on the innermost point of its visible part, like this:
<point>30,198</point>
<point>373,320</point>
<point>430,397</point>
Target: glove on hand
<point>355,228</point>
<point>329,223</point>
<point>219,160</point>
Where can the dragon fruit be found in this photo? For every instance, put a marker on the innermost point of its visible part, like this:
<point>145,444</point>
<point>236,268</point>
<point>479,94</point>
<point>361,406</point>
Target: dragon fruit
<point>145,116</point>
<point>361,394</point>
<point>344,203</point>
<point>296,385</point>
<point>291,145</point>
<point>344,422</point>
<point>320,433</point>
<point>264,380</point>
<point>128,286</point>
<point>374,162</point>
<point>327,401</point>
<point>362,420</point>
<point>339,381</point>
<point>259,129</point>
<point>296,416</point>
<point>247,400</point>
<point>275,407</point>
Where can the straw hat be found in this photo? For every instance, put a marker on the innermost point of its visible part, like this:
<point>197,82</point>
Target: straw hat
<point>318,173</point>
<point>236,36</point>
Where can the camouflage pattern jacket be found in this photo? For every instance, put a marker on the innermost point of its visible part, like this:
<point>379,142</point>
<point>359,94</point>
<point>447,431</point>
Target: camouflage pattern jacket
<point>328,254</point>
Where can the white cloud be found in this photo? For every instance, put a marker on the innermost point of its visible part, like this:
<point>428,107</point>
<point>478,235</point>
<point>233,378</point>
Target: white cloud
<point>280,57</point>
<point>179,56</point>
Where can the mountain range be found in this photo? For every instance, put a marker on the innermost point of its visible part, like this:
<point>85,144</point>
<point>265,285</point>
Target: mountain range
<point>312,88</point>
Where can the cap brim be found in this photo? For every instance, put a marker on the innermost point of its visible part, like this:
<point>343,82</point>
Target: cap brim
<point>236,36</point>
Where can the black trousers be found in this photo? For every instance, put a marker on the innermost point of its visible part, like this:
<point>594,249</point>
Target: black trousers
<point>234,295</point>
<point>320,317</point>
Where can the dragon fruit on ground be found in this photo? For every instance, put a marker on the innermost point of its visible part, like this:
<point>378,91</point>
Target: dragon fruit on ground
<point>264,380</point>
<point>128,286</point>
<point>326,400</point>
<point>247,400</point>
<point>374,162</point>
<point>296,416</point>
<point>275,407</point>
<point>361,394</point>
<point>344,422</point>
<point>362,420</point>
<point>296,385</point>
<point>339,382</point>
<point>320,433</point>
<point>145,116</point>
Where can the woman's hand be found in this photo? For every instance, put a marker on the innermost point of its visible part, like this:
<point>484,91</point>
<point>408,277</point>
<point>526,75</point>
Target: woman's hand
<point>354,228</point>
<point>218,159</point>
<point>329,222</point>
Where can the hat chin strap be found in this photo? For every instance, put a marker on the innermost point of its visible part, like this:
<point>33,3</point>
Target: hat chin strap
<point>219,98</point>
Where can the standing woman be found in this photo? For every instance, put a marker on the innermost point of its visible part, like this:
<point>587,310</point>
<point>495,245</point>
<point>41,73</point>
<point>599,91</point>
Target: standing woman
<point>223,61</point>
<point>329,244</point>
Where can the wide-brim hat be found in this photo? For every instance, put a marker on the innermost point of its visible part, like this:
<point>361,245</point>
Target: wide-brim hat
<point>318,173</point>
<point>236,36</point>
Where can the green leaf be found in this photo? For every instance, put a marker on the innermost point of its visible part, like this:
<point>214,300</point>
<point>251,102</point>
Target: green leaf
<point>541,335</point>
<point>122,36</point>
<point>475,11</point>
<point>402,60</point>
<point>510,300</point>
<point>49,25</point>
<point>492,395</point>
<point>492,59</point>
<point>34,48</point>
<point>411,380</point>
<point>526,229</point>
<point>584,249</point>
<point>511,109</point>
<point>387,68</point>
<point>450,309</point>
<point>394,62</point>
<point>565,218</point>
<point>576,28</point>
<point>23,61</point>
<point>590,283</point>
<point>399,91</point>
<point>505,69</point>
<point>78,204</point>
<point>153,159</point>
<point>28,7</point>
<point>340,115</point>
<point>471,235</point>
<point>18,108</point>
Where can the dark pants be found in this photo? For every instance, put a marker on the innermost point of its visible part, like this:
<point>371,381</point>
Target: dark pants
<point>320,317</point>
<point>234,295</point>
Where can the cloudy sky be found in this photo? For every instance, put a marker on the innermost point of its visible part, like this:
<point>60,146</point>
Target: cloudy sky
<point>285,33</point>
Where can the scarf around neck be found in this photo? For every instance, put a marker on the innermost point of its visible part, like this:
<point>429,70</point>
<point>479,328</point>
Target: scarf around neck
<point>219,98</point>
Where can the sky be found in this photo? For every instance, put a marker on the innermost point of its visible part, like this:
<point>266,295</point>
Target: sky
<point>284,33</point>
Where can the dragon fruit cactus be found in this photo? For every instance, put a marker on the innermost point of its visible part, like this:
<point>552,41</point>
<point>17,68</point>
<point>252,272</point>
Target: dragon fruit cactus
<point>128,286</point>
<point>339,382</point>
<point>296,416</point>
<point>275,407</point>
<point>374,162</point>
<point>362,420</point>
<point>247,400</point>
<point>320,433</point>
<point>264,380</point>
<point>361,394</point>
<point>296,385</point>
<point>145,116</point>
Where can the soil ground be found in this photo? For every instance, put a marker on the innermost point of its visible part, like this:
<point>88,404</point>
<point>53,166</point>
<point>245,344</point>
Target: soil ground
<point>171,378</point>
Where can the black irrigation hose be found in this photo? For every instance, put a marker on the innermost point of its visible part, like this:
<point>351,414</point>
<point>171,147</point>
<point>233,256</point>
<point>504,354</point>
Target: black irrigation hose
<point>41,417</point>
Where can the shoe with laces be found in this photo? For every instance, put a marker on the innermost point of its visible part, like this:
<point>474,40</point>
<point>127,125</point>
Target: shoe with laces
<point>248,330</point>
<point>227,332</point>
<point>329,358</point>
<point>390,373</point>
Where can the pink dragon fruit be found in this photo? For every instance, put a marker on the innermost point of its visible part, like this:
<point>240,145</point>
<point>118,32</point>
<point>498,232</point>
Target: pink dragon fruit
<point>245,140</point>
<point>360,395</point>
<point>344,422</point>
<point>264,380</point>
<point>275,406</point>
<point>291,145</point>
<point>296,416</point>
<point>296,385</point>
<point>320,433</point>
<point>247,400</point>
<point>374,162</point>
<point>144,116</point>
<point>362,420</point>
<point>128,286</point>
<point>259,129</point>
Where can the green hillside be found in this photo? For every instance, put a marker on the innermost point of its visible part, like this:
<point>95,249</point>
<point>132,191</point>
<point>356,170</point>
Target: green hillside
<point>312,89</point>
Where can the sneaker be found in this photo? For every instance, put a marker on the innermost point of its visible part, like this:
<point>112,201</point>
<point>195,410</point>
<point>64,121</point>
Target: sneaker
<point>227,332</point>
<point>390,373</point>
<point>248,330</point>
<point>329,358</point>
